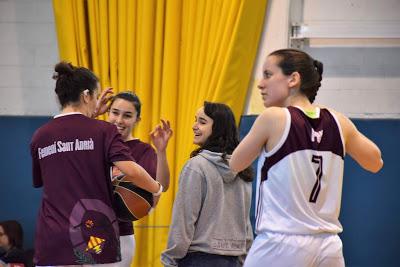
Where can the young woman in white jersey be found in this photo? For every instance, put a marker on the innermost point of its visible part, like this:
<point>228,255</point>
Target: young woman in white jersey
<point>300,168</point>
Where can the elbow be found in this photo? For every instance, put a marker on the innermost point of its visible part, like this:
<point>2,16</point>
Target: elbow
<point>377,166</point>
<point>378,161</point>
<point>235,170</point>
<point>234,167</point>
<point>370,160</point>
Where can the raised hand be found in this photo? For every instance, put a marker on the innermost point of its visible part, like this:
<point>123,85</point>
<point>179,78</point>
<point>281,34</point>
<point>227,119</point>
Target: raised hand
<point>101,105</point>
<point>161,135</point>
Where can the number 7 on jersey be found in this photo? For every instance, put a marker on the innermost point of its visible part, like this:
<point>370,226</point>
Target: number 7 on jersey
<point>317,186</point>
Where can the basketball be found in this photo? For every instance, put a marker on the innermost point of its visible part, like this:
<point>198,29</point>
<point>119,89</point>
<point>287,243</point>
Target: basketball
<point>131,202</point>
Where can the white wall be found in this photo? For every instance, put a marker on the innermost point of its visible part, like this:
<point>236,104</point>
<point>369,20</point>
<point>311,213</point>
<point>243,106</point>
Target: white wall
<point>362,82</point>
<point>28,53</point>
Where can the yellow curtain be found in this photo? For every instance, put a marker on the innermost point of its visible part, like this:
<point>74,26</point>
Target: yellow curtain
<point>174,54</point>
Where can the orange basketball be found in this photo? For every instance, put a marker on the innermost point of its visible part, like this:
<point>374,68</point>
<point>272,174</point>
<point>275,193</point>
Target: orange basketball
<point>131,202</point>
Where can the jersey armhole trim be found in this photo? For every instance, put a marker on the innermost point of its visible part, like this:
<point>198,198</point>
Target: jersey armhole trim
<point>340,131</point>
<point>283,137</point>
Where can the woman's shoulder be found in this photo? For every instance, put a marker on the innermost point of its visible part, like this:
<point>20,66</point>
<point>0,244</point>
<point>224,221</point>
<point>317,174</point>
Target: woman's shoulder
<point>192,169</point>
<point>272,113</point>
<point>101,123</point>
<point>195,163</point>
<point>268,121</point>
<point>139,143</point>
<point>331,110</point>
<point>204,163</point>
<point>102,126</point>
<point>146,146</point>
<point>343,120</point>
<point>141,148</point>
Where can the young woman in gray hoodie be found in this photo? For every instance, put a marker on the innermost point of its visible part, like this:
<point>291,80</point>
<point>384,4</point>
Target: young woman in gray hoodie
<point>210,221</point>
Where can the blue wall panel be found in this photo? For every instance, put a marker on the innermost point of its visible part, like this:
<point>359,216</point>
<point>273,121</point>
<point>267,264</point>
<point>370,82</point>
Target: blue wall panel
<point>18,199</point>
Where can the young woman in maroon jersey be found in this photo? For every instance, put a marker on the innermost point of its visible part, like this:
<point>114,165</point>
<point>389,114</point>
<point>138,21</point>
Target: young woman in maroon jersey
<point>300,172</point>
<point>124,112</point>
<point>71,158</point>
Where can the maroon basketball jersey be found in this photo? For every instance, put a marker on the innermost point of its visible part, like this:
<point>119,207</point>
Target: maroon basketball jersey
<point>71,159</point>
<point>146,157</point>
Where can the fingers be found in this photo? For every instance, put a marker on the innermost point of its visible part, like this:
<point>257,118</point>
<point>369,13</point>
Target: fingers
<point>166,126</point>
<point>107,98</point>
<point>156,129</point>
<point>156,132</point>
<point>162,130</point>
<point>153,133</point>
<point>106,92</point>
<point>106,95</point>
<point>116,172</point>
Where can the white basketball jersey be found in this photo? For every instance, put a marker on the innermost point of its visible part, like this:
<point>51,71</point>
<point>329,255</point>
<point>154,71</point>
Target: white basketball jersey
<point>299,182</point>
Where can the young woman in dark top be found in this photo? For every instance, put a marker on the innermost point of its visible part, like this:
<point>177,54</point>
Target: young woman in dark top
<point>71,159</point>
<point>124,113</point>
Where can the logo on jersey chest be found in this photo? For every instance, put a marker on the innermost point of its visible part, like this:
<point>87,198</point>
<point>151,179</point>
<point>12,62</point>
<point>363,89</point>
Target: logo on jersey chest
<point>316,136</point>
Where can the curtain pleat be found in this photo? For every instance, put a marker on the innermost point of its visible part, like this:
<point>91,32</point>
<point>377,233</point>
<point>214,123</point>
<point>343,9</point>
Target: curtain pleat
<point>174,54</point>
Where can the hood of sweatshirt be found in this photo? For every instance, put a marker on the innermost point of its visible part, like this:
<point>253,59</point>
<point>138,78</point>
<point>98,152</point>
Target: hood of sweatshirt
<point>221,164</point>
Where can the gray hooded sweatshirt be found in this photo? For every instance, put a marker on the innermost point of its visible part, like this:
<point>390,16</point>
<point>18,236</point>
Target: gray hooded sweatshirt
<point>211,211</point>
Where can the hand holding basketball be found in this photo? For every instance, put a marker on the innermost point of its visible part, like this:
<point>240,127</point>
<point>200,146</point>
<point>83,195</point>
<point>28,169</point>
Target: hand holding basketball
<point>131,202</point>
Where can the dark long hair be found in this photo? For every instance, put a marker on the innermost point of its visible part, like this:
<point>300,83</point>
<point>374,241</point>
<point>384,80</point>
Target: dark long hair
<point>224,136</point>
<point>72,81</point>
<point>14,232</point>
<point>310,70</point>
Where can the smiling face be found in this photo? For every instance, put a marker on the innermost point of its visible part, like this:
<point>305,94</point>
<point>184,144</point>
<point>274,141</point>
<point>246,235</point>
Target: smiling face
<point>202,127</point>
<point>274,86</point>
<point>123,114</point>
